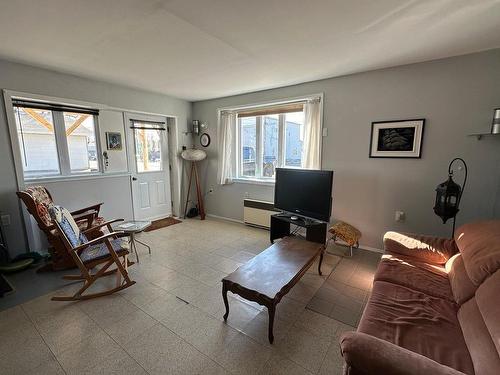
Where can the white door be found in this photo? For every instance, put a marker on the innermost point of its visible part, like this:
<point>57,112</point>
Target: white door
<point>150,180</point>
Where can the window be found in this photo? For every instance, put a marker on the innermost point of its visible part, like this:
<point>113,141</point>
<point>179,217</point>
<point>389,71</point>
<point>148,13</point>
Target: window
<point>56,140</point>
<point>268,141</point>
<point>147,138</point>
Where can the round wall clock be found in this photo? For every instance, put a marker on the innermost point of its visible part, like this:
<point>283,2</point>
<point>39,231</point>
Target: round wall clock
<point>205,140</point>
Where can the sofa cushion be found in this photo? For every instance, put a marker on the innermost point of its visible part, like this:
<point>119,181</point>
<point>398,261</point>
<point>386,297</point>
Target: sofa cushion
<point>418,322</point>
<point>479,244</point>
<point>463,289</point>
<point>423,277</point>
<point>488,301</point>
<point>424,248</point>
<point>481,347</point>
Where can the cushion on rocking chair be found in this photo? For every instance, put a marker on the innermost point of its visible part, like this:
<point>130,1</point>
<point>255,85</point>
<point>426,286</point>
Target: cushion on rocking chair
<point>100,251</point>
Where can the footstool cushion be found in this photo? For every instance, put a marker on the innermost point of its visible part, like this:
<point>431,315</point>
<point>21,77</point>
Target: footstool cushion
<point>345,232</point>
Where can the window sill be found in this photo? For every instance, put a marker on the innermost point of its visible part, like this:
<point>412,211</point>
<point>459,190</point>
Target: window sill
<point>94,176</point>
<point>254,181</point>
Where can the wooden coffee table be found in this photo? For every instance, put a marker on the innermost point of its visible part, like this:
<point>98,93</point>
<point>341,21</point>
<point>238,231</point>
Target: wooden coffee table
<point>270,275</point>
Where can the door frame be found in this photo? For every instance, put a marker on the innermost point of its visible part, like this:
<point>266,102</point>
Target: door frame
<point>128,117</point>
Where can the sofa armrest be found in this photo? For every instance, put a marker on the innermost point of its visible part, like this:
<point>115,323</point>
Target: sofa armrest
<point>367,354</point>
<point>428,249</point>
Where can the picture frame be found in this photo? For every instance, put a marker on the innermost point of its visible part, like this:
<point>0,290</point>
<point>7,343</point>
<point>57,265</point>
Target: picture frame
<point>114,141</point>
<point>397,139</point>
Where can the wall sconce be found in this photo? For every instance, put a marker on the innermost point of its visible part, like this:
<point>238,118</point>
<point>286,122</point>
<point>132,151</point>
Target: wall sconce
<point>448,196</point>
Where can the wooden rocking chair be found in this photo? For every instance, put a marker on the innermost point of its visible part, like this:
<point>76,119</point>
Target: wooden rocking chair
<point>107,250</point>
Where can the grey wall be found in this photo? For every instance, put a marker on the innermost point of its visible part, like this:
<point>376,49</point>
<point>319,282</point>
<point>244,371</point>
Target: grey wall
<point>456,96</point>
<point>25,78</point>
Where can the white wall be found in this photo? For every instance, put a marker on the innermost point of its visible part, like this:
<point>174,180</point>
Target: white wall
<point>456,96</point>
<point>115,192</point>
<point>112,121</point>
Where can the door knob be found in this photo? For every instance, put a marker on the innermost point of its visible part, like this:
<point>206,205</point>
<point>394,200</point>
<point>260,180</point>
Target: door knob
<point>134,178</point>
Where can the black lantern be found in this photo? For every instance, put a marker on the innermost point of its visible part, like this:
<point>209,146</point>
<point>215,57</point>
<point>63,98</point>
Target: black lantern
<point>448,195</point>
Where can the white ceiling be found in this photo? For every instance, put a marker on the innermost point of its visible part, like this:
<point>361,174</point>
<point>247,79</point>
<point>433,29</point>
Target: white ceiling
<point>200,49</point>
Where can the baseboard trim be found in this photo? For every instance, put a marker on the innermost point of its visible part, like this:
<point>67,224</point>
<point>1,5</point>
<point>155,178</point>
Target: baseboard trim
<point>226,218</point>
<point>374,249</point>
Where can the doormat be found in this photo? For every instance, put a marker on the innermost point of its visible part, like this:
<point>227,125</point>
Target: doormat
<point>162,223</point>
<point>5,286</point>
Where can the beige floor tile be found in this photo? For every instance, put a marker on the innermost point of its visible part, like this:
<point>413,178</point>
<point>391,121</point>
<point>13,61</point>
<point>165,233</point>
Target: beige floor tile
<point>190,289</point>
<point>118,362</point>
<point>257,329</point>
<point>63,333</point>
<point>204,332</point>
<point>51,367</point>
<point>242,256</point>
<point>129,327</point>
<point>23,352</point>
<point>210,301</point>
<point>289,310</point>
<point>87,353</point>
<point>333,363</point>
<point>240,313</point>
<point>279,365</point>
<point>142,293</point>
<point>160,351</point>
<point>317,324</point>
<point>226,265</point>
<point>109,310</point>
<point>243,355</point>
<point>305,349</point>
<point>163,306</point>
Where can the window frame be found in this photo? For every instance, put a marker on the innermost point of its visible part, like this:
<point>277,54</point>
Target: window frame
<point>259,152</point>
<point>61,140</point>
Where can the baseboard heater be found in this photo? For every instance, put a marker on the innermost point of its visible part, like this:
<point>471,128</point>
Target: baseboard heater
<point>258,213</point>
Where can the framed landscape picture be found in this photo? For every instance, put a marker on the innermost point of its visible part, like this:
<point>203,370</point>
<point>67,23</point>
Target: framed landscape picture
<point>113,141</point>
<point>397,139</point>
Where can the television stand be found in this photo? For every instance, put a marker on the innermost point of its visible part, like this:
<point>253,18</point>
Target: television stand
<point>280,227</point>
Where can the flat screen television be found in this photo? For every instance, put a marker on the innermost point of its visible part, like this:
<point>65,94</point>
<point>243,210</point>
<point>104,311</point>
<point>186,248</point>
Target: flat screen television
<point>304,192</point>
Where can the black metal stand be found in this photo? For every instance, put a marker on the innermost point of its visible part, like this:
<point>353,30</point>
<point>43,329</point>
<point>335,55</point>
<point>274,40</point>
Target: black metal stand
<point>280,227</point>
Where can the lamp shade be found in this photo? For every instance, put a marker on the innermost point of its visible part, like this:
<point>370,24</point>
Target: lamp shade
<point>193,154</point>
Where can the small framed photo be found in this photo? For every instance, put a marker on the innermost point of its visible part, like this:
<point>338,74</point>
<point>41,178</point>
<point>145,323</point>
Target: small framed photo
<point>397,139</point>
<point>113,141</point>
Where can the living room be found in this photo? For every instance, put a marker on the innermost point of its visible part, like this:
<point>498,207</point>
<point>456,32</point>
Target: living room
<point>211,129</point>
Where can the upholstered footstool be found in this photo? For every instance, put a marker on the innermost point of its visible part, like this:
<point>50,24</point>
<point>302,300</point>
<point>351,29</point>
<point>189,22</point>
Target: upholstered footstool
<point>345,232</point>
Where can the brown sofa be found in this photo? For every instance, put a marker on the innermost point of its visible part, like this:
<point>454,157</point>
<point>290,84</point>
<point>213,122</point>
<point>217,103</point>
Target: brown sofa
<point>434,308</point>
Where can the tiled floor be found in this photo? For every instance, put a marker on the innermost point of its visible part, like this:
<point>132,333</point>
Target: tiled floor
<point>345,292</point>
<point>170,322</point>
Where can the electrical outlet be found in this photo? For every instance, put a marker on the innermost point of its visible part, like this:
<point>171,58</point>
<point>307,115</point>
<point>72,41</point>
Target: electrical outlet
<point>5,220</point>
<point>325,132</point>
<point>399,216</point>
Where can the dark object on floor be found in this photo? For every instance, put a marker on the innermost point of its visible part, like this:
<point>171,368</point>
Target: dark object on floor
<point>16,266</point>
<point>434,306</point>
<point>38,202</point>
<point>5,286</point>
<point>37,257</point>
<point>271,274</point>
<point>193,212</point>
<point>162,223</point>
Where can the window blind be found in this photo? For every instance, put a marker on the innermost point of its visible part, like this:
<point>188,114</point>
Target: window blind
<point>53,107</point>
<point>272,110</point>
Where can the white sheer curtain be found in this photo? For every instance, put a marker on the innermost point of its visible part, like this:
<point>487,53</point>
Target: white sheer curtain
<point>227,128</point>
<point>312,134</point>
